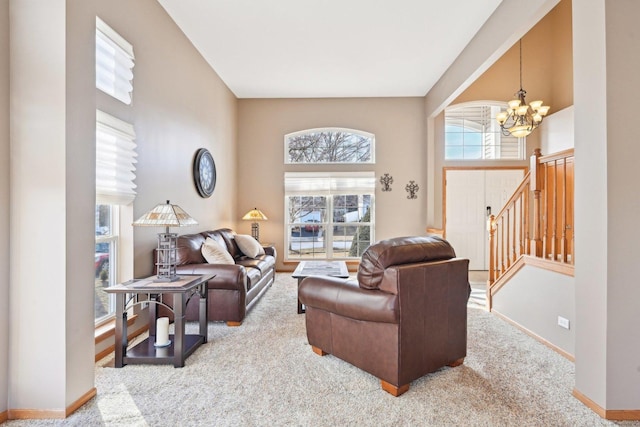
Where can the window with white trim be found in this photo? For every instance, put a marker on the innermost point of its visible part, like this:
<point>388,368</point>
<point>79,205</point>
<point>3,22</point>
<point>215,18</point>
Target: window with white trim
<point>328,215</point>
<point>114,63</point>
<point>471,132</point>
<point>106,255</point>
<point>115,190</point>
<point>329,145</point>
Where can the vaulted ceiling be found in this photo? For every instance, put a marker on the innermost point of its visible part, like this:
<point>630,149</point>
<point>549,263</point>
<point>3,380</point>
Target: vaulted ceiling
<point>329,48</point>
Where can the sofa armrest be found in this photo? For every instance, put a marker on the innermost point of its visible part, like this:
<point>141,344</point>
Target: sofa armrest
<point>270,250</point>
<point>346,298</point>
<point>227,276</point>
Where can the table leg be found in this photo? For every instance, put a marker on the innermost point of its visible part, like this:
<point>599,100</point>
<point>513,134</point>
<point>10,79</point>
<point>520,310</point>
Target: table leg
<point>153,315</point>
<point>300,308</point>
<point>178,335</point>
<point>204,307</point>
<point>121,330</point>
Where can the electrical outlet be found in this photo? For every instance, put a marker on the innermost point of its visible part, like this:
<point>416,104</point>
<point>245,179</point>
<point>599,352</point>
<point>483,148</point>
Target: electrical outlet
<point>563,323</point>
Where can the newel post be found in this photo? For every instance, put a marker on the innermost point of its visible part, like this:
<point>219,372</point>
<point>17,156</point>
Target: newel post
<point>536,188</point>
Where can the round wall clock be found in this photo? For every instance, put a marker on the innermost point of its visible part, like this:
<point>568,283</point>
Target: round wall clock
<point>204,172</point>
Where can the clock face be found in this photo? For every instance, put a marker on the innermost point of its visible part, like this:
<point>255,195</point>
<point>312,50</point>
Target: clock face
<point>204,172</point>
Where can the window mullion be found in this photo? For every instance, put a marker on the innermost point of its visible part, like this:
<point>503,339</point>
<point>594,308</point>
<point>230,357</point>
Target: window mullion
<point>328,229</point>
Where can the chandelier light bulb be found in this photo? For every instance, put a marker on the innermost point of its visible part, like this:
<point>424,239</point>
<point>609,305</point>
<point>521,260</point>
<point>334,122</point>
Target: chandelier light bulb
<point>535,105</point>
<point>514,104</point>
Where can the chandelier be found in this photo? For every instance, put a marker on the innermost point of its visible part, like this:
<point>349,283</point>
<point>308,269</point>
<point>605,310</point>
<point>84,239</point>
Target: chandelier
<point>521,119</point>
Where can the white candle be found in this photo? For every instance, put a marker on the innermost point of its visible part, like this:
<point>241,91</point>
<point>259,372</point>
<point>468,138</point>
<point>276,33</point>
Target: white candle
<point>162,331</point>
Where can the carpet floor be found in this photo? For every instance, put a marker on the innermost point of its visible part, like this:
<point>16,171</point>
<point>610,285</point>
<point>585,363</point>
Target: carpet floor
<point>264,373</point>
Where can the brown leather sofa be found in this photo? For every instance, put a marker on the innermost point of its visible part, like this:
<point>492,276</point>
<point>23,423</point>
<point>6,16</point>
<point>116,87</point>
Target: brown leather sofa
<point>406,316</point>
<point>235,289</point>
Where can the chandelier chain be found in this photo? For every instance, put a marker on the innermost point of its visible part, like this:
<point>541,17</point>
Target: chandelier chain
<point>520,43</point>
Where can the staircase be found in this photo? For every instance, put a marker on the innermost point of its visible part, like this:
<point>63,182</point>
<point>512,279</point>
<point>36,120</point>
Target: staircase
<point>535,226</point>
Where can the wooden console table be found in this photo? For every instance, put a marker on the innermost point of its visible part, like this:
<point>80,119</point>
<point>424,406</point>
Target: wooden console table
<point>181,346</point>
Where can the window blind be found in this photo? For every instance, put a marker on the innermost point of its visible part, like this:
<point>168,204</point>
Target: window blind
<point>328,183</point>
<point>115,160</point>
<point>114,63</point>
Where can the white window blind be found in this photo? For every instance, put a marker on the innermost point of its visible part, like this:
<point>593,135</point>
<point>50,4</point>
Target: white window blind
<point>114,63</point>
<point>328,183</point>
<point>115,160</point>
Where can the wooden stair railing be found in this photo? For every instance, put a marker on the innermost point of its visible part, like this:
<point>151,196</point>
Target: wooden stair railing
<point>538,218</point>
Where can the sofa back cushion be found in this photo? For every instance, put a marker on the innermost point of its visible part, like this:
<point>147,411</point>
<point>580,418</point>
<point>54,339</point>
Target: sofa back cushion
<point>188,249</point>
<point>225,235</point>
<point>215,235</point>
<point>400,250</point>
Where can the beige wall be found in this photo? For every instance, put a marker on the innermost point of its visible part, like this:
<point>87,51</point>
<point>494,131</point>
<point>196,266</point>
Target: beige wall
<point>398,125</point>
<point>179,105</point>
<point>4,202</point>
<point>534,298</point>
<point>557,132</point>
<point>192,109</point>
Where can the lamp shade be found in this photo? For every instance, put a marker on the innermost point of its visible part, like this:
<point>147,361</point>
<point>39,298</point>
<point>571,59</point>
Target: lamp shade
<point>165,215</point>
<point>255,215</point>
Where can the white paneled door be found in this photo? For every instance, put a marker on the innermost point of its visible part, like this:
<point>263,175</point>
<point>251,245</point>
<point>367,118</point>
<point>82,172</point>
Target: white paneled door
<point>472,195</point>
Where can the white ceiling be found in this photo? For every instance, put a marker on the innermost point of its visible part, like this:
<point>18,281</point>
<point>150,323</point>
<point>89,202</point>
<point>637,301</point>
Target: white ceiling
<point>329,48</point>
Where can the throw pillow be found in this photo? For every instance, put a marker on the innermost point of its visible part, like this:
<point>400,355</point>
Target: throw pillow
<point>249,246</point>
<point>215,253</point>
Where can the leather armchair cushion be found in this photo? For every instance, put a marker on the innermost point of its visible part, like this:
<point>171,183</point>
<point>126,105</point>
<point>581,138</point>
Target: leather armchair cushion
<point>346,298</point>
<point>400,250</point>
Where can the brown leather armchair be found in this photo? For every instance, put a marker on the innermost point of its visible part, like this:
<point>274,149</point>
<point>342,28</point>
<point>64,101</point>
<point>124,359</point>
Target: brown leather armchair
<point>406,316</point>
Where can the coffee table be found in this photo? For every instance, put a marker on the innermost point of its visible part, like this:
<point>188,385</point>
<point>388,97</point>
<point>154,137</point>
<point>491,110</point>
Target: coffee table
<point>319,268</point>
<point>181,345</point>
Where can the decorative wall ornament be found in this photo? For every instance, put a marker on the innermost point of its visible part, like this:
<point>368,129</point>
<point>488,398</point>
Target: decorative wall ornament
<point>386,182</point>
<point>412,188</point>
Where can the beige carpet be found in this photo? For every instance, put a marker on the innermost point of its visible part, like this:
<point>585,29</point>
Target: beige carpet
<point>264,373</point>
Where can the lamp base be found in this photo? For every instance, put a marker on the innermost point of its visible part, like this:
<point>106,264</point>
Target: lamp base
<point>255,231</point>
<point>166,257</point>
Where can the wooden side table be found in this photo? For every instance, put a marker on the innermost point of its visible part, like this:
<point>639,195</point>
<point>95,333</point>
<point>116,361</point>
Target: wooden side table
<point>182,345</point>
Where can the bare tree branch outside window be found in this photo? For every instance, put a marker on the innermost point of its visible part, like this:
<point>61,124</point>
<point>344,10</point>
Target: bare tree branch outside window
<point>329,147</point>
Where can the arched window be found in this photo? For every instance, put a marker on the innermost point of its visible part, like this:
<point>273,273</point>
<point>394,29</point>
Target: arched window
<point>471,132</point>
<point>329,145</point>
<point>329,214</point>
